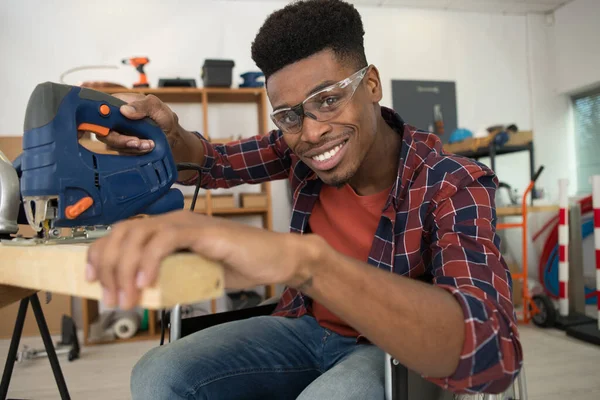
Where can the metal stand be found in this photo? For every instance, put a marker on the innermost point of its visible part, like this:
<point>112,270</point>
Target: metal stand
<point>493,151</point>
<point>576,291</point>
<point>14,345</point>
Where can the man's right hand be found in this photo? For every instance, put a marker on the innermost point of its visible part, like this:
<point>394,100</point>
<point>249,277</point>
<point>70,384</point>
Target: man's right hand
<point>138,107</point>
<point>185,146</point>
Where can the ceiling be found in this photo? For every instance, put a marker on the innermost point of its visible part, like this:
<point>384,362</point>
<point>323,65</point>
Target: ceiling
<point>489,6</point>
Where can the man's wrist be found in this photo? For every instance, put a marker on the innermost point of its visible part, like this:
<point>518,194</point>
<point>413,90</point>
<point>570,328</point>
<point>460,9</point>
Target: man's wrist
<point>309,253</point>
<point>187,147</point>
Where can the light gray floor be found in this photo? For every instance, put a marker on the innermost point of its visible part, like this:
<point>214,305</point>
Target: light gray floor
<point>557,368</point>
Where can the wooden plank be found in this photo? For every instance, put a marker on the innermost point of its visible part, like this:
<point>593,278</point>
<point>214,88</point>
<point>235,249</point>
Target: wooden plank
<point>183,277</point>
<point>517,210</point>
<point>10,294</point>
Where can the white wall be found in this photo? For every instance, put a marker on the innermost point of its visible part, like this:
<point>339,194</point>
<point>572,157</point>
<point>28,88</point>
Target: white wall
<point>577,50</point>
<point>554,141</point>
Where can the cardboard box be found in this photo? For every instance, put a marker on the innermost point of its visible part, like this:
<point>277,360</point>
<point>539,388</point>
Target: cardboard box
<point>11,146</point>
<point>53,312</point>
<point>200,205</point>
<point>254,200</point>
<point>221,201</point>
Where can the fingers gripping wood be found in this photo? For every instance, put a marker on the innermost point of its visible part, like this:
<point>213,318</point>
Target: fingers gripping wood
<point>184,277</point>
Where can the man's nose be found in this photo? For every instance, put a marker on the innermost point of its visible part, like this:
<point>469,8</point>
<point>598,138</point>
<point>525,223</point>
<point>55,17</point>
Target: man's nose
<point>313,130</point>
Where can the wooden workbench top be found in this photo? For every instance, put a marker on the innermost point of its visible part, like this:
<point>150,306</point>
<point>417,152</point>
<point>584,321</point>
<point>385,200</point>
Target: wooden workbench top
<point>184,278</point>
<point>517,210</point>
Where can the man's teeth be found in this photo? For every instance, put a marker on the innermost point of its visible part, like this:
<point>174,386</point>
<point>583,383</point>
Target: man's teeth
<point>328,154</point>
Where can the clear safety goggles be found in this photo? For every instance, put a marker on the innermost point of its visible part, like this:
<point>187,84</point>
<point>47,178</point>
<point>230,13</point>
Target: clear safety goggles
<point>321,106</point>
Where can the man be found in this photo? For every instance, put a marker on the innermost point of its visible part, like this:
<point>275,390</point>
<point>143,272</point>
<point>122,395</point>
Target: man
<point>379,209</point>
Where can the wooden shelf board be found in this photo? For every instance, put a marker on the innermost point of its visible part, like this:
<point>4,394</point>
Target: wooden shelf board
<point>517,210</point>
<point>485,151</point>
<point>241,95</point>
<point>194,95</point>
<point>240,210</point>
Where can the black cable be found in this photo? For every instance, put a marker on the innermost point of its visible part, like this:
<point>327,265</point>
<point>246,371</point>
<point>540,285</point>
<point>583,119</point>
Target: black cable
<point>181,167</point>
<point>192,167</point>
<point>162,326</point>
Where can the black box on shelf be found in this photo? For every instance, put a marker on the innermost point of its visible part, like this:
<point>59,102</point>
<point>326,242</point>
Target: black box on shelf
<point>217,73</point>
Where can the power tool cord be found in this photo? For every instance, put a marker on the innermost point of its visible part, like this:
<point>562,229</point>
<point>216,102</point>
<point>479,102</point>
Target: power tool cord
<point>181,167</point>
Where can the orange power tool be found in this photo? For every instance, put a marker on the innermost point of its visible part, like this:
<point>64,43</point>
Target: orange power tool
<point>138,63</point>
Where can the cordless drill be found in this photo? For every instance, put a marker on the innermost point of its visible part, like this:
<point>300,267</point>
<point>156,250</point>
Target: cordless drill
<point>138,63</point>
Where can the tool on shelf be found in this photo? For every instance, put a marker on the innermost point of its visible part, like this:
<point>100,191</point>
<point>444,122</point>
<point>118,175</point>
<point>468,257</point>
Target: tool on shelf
<point>177,82</point>
<point>139,63</point>
<point>251,79</point>
<point>64,185</point>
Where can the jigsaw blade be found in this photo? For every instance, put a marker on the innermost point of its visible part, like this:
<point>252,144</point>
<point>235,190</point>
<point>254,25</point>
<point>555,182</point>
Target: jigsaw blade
<point>37,210</point>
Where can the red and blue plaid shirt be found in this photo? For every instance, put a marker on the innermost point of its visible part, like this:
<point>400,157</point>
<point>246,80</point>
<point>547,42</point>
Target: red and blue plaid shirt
<point>438,223</point>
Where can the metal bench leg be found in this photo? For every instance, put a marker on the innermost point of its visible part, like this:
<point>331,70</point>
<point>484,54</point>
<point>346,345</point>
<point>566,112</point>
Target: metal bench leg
<point>396,380</point>
<point>45,333</point>
<point>14,346</point>
<point>522,385</point>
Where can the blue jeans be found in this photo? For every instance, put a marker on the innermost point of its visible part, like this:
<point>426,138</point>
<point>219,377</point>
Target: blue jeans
<point>261,358</point>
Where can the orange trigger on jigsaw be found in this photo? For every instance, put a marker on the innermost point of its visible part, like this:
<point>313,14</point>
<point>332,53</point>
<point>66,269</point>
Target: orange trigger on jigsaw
<point>78,208</point>
<point>97,129</point>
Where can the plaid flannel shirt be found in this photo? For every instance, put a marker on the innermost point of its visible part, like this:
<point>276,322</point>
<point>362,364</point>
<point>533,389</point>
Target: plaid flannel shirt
<point>439,222</point>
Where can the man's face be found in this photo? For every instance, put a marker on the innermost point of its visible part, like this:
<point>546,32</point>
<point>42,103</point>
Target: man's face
<point>334,148</point>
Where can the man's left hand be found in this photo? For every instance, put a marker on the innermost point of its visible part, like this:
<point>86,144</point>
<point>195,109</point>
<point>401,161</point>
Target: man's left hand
<point>128,258</point>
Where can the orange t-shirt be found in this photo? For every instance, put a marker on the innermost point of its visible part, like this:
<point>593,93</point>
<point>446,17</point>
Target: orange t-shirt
<point>347,222</point>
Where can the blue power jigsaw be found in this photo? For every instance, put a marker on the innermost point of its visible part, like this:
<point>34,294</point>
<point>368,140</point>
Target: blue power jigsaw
<point>63,184</point>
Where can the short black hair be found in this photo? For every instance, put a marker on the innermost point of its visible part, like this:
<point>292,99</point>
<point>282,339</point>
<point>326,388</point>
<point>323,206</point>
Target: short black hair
<point>304,28</point>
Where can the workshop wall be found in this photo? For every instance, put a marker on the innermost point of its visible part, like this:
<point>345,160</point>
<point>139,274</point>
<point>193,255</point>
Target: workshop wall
<point>577,56</point>
<point>485,54</point>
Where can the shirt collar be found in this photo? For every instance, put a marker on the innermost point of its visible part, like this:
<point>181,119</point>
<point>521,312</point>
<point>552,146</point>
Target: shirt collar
<point>393,119</point>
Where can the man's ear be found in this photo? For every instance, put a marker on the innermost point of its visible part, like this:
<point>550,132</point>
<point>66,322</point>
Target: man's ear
<point>374,84</point>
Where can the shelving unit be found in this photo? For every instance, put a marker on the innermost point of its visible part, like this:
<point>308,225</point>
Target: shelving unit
<point>486,147</point>
<point>205,97</point>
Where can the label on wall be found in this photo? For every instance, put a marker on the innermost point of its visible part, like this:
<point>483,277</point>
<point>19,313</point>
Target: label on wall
<point>427,105</point>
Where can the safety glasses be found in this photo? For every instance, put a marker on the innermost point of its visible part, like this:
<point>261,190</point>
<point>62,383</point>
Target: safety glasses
<point>321,106</point>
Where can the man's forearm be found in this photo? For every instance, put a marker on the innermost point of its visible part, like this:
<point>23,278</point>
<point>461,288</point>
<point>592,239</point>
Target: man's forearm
<point>187,148</point>
<point>422,326</point>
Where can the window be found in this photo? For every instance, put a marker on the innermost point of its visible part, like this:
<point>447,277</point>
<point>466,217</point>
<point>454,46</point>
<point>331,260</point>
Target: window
<point>587,138</point>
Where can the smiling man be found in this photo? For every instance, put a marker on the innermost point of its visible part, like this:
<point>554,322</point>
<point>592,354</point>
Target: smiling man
<point>396,252</point>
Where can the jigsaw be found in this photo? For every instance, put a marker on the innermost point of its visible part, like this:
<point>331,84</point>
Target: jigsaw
<point>57,183</point>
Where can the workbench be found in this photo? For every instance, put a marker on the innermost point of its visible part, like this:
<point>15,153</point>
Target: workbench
<point>184,278</point>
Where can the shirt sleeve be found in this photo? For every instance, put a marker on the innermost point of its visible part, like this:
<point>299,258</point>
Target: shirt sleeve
<point>466,261</point>
<point>251,160</point>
